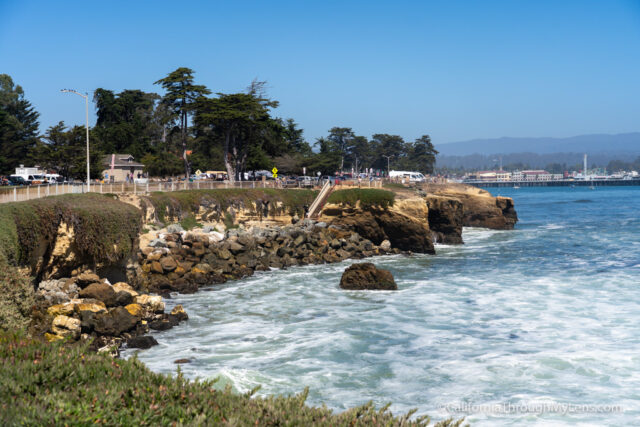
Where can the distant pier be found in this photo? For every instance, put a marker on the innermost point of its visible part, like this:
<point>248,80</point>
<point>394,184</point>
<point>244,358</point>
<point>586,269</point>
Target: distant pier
<point>563,183</point>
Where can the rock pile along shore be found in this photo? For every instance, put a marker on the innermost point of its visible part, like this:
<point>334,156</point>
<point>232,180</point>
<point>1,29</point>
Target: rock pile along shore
<point>86,306</point>
<point>184,261</point>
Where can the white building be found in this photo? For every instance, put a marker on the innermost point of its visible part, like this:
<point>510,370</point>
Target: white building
<point>29,171</point>
<point>503,176</point>
<point>536,175</point>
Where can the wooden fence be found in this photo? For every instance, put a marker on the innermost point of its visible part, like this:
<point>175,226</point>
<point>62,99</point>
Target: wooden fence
<point>18,194</point>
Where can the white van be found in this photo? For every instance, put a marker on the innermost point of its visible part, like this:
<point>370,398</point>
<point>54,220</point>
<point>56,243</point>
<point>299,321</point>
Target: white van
<point>53,178</point>
<point>408,175</point>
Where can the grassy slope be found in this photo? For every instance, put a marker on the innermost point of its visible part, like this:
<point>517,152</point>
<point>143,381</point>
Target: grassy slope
<point>366,196</point>
<point>61,384</point>
<point>179,204</point>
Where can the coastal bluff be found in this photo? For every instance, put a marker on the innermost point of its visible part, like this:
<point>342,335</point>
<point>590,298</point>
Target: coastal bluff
<point>181,241</point>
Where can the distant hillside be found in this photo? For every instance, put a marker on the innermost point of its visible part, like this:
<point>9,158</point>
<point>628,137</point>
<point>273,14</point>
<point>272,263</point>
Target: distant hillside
<point>539,152</point>
<point>598,143</point>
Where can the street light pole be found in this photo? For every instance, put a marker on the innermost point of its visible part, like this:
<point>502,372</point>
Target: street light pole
<point>388,169</point>
<point>86,100</point>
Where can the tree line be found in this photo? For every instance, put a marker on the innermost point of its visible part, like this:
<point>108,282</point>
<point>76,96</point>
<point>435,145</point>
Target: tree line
<point>189,127</point>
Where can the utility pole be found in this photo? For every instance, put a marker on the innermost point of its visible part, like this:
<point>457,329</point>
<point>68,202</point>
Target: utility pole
<point>86,100</point>
<point>388,169</point>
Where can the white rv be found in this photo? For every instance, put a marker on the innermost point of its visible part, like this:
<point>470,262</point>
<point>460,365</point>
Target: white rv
<point>407,175</point>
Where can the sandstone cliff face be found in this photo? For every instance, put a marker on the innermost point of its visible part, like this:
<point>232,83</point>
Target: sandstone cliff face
<point>480,208</point>
<point>405,231</point>
<point>446,217</point>
<point>415,223</point>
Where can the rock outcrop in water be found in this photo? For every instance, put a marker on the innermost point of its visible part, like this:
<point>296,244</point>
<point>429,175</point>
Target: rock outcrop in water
<point>365,276</point>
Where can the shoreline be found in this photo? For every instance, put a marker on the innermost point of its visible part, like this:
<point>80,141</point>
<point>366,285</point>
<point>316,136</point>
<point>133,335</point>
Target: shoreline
<point>118,311</point>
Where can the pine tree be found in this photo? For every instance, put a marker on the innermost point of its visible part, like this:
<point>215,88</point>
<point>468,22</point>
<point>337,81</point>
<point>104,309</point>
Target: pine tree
<point>181,96</point>
<point>18,126</point>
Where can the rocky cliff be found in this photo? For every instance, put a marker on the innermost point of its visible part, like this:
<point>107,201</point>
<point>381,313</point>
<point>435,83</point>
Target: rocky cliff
<point>405,225</point>
<point>480,208</point>
<point>420,217</point>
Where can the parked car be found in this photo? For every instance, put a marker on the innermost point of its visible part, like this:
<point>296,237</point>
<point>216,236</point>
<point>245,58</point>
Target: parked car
<point>37,179</point>
<point>54,178</point>
<point>17,180</point>
<point>290,182</point>
<point>306,181</point>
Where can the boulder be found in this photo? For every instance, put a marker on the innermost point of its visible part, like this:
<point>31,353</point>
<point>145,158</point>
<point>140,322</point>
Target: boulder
<point>156,267</point>
<point>115,322</point>
<point>161,325</point>
<point>135,310</point>
<point>366,276</point>
<point>123,298</point>
<point>224,254</point>
<point>385,245</point>
<point>124,287</point>
<point>85,279</point>
<point>65,326</point>
<point>158,243</point>
<point>57,291</point>
<point>101,292</point>
<point>215,237</point>
<point>65,309</point>
<point>153,303</point>
<point>144,342</point>
<point>155,256</point>
<point>93,307</point>
<point>178,313</point>
<point>168,263</point>
<point>175,228</point>
<point>235,247</point>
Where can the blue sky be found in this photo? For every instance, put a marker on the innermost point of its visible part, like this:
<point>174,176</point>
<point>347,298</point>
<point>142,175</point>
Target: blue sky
<point>456,70</point>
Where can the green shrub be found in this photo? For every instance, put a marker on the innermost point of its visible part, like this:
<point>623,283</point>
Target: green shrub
<point>367,197</point>
<point>17,297</point>
<point>64,384</point>
<point>190,222</point>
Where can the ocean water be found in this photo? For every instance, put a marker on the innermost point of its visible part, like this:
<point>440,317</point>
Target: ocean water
<point>539,325</point>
